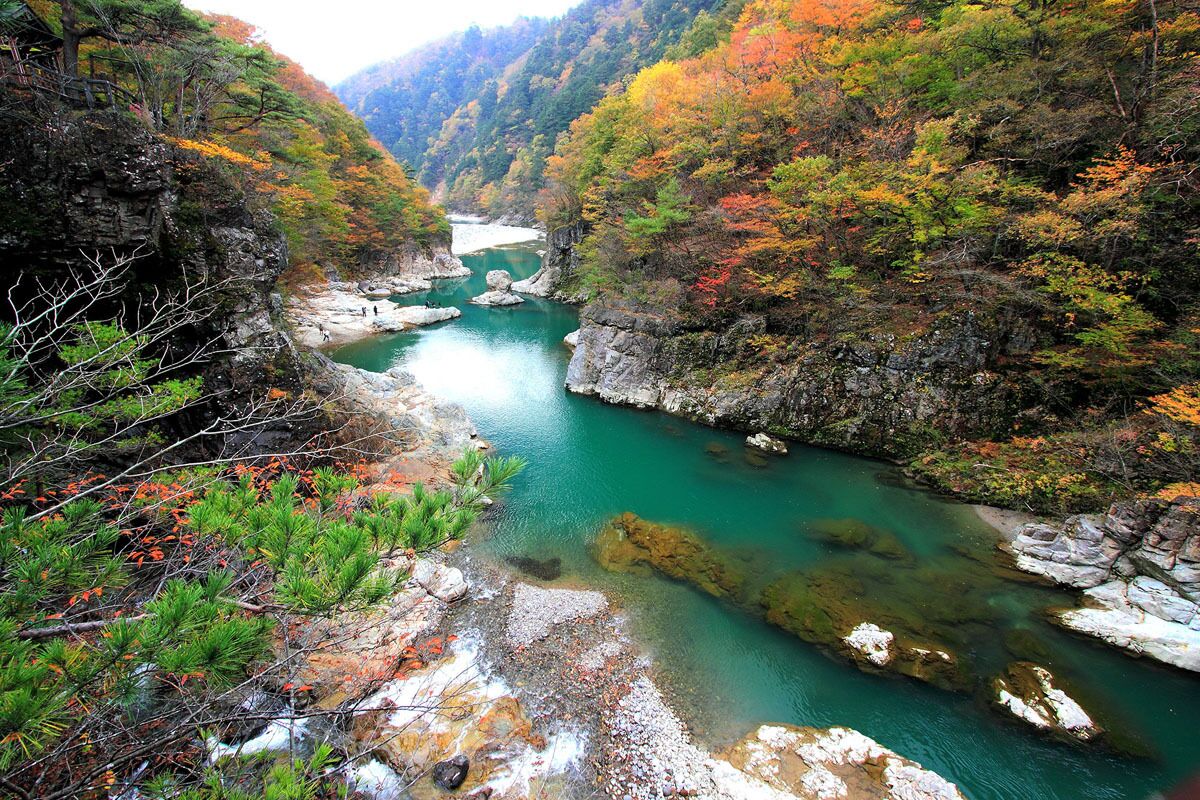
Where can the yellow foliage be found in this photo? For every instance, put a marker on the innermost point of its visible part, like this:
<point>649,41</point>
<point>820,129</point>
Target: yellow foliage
<point>1181,404</point>
<point>211,149</point>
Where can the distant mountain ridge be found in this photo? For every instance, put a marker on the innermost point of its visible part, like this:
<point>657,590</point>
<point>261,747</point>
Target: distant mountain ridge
<point>476,114</point>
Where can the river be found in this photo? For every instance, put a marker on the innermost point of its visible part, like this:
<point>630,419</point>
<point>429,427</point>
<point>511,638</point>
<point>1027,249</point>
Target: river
<point>723,666</point>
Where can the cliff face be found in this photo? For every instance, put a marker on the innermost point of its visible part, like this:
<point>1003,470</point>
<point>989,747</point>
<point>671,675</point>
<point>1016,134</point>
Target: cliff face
<point>879,395</point>
<point>559,266</point>
<point>101,185</point>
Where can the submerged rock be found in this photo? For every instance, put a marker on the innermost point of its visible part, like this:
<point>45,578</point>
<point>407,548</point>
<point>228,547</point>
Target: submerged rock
<point>549,569</point>
<point>855,534</point>
<point>1028,692</point>
<point>767,443</point>
<point>631,544</point>
<point>831,608</point>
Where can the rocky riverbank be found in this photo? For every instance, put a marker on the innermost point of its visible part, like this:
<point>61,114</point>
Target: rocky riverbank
<point>1139,567</point>
<point>878,395</point>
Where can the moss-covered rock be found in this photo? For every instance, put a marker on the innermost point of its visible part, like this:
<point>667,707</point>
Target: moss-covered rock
<point>852,533</point>
<point>631,544</point>
<point>832,608</point>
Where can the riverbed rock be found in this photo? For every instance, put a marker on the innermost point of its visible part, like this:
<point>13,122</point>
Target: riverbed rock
<point>631,544</point>
<point>834,763</point>
<point>499,292</point>
<point>767,443</point>
<point>535,611</point>
<point>457,710</point>
<point>1028,692</point>
<point>350,655</point>
<point>571,340</point>
<point>451,773</point>
<point>445,583</point>
<point>560,264</point>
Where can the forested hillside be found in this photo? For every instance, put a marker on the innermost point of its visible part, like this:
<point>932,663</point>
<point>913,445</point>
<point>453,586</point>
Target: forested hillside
<point>215,90</point>
<point>406,101</point>
<point>853,172</point>
<point>476,115</point>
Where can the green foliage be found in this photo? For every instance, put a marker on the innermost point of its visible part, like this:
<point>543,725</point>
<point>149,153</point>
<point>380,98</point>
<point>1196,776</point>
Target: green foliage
<point>44,561</point>
<point>669,208</point>
<point>479,112</point>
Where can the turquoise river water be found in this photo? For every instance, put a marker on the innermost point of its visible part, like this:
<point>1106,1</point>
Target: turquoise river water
<point>723,666</point>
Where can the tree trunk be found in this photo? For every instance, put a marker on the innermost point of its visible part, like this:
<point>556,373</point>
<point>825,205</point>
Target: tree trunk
<point>70,35</point>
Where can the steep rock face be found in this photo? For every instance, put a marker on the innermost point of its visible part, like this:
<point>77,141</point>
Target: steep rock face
<point>880,394</point>
<point>417,263</point>
<point>1140,565</point>
<point>559,266</point>
<point>101,185</point>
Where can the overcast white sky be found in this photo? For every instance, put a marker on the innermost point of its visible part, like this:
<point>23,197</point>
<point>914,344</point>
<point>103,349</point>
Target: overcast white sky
<point>336,39</point>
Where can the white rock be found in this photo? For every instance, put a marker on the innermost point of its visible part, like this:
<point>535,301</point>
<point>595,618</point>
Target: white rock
<point>571,340</point>
<point>872,641</point>
<point>767,443</point>
<point>497,299</point>
<point>498,280</point>
<point>445,583</point>
<point>1028,692</point>
<point>1111,616</point>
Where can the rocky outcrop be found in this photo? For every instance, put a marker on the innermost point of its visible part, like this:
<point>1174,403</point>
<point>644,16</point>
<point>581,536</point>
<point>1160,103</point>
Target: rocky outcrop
<point>337,313</point>
<point>834,763</point>
<point>416,263</point>
<point>560,264</point>
<point>879,394</point>
<point>1028,692</point>
<point>499,293</point>
<point>767,443</point>
<point>1140,565</point>
<point>425,430</point>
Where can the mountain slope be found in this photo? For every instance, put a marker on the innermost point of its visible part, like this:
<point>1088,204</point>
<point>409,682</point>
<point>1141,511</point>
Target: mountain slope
<point>477,128</point>
<point>949,230</point>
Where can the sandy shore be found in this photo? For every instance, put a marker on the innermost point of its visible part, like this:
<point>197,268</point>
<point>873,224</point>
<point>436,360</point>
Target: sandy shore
<point>1006,521</point>
<point>473,238</point>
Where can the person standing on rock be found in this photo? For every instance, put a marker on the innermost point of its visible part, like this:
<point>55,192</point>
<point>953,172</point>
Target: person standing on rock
<point>376,310</point>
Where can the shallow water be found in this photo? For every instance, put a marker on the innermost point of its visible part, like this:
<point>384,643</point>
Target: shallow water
<point>725,668</point>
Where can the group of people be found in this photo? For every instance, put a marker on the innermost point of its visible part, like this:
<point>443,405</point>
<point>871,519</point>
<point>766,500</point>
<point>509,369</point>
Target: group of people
<point>326,336</point>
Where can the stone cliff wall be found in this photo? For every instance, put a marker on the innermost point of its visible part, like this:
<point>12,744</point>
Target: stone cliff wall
<point>559,267</point>
<point>878,395</point>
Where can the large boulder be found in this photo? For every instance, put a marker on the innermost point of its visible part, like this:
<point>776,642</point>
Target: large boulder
<point>499,292</point>
<point>498,280</point>
<point>834,763</point>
